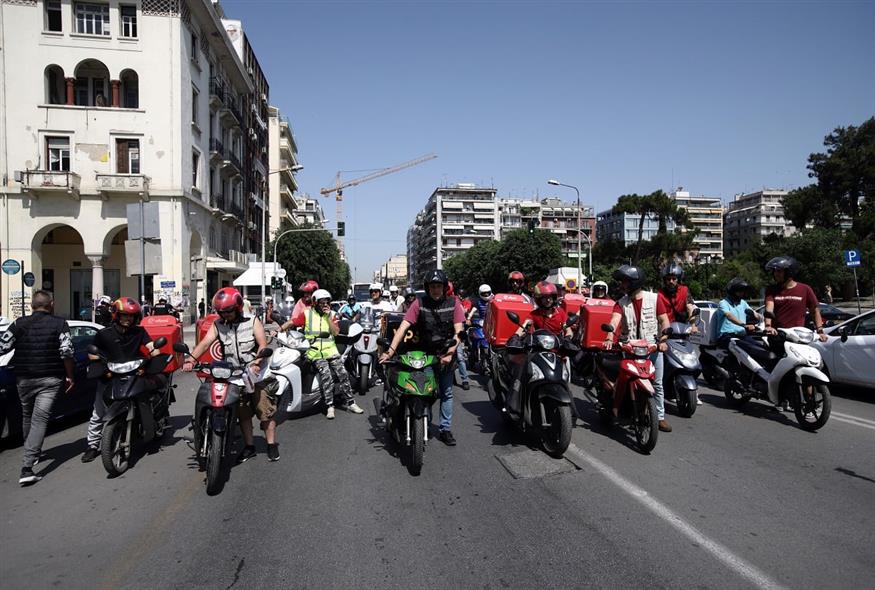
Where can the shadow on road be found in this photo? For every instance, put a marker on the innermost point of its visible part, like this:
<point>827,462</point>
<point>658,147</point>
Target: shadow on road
<point>852,473</point>
<point>590,420</point>
<point>753,408</point>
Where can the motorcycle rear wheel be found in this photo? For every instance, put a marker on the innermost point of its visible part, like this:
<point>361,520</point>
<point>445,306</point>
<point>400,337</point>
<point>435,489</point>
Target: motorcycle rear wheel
<point>557,437</point>
<point>214,462</point>
<point>417,445</point>
<point>812,414</point>
<point>112,453</point>
<point>646,424</point>
<point>734,395</point>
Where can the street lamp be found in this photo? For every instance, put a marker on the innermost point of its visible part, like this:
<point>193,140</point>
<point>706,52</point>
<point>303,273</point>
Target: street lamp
<point>295,168</point>
<point>554,182</point>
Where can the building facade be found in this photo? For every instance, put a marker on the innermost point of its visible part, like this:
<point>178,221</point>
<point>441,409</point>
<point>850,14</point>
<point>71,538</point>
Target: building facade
<point>753,216</point>
<point>308,211</point>
<point>706,215</point>
<point>284,166</point>
<point>117,103</point>
<point>393,271</point>
<point>623,227</point>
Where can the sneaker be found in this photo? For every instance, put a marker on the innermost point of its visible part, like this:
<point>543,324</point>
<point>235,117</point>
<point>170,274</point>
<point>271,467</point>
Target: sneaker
<point>446,437</point>
<point>466,386</point>
<point>273,452</point>
<point>28,477</point>
<point>90,455</point>
<point>699,402</point>
<point>246,454</point>
<point>329,413</point>
<point>664,426</point>
<point>354,408</point>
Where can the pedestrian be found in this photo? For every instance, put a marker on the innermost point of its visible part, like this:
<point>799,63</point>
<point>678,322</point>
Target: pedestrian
<point>828,294</point>
<point>201,308</point>
<point>145,306</point>
<point>247,307</point>
<point>44,368</point>
<point>440,318</point>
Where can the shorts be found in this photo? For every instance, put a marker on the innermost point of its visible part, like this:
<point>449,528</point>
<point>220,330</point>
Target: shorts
<point>262,403</point>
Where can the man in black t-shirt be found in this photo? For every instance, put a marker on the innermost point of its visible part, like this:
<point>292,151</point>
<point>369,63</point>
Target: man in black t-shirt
<point>123,340</point>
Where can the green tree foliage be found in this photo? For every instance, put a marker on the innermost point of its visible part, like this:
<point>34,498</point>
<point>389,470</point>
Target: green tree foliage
<point>635,204</point>
<point>312,255</point>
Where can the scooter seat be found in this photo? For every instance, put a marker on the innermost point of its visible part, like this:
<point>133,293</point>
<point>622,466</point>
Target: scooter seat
<point>759,353</point>
<point>610,364</point>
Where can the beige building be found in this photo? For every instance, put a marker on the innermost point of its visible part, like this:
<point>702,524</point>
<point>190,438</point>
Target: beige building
<point>751,217</point>
<point>284,166</point>
<point>706,214</point>
<point>393,271</point>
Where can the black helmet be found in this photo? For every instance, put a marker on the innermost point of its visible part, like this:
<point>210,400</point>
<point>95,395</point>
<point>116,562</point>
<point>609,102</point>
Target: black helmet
<point>350,298</point>
<point>435,276</point>
<point>634,274</point>
<point>785,263</point>
<point>737,284</point>
<point>673,269</point>
<point>408,291</point>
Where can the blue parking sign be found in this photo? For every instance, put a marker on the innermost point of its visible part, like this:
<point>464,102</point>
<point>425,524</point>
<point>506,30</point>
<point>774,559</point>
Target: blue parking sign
<point>852,257</point>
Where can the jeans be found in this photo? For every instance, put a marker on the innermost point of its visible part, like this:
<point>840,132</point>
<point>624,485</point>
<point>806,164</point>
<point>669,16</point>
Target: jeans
<point>462,358</point>
<point>656,359</point>
<point>445,385</point>
<point>37,397</point>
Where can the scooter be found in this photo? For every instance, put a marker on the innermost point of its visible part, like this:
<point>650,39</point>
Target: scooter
<point>681,368</point>
<point>138,401</point>
<point>362,360</point>
<point>478,346</point>
<point>215,413</point>
<point>538,398</point>
<point>796,376</point>
<point>631,375</point>
<point>713,359</point>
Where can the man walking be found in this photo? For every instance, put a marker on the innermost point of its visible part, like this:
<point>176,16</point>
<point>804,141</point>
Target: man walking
<point>43,364</point>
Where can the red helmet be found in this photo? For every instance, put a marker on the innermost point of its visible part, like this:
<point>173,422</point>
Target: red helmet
<point>227,299</point>
<point>126,305</point>
<point>308,286</point>
<point>450,290</point>
<point>545,289</point>
<point>516,276</point>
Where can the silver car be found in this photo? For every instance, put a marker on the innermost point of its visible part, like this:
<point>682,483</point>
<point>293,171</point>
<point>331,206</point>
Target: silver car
<point>851,362</point>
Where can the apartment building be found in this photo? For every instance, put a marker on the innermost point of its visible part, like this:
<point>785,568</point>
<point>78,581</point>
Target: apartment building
<point>706,215</point>
<point>623,227</point>
<point>393,271</point>
<point>753,216</point>
<point>284,166</point>
<point>308,211</point>
<point>115,103</point>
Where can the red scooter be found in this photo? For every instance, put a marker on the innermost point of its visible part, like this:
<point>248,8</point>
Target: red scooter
<point>629,374</point>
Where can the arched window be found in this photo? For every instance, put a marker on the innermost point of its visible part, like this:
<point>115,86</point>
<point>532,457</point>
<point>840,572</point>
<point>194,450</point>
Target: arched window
<point>130,89</point>
<point>54,83</point>
<point>92,84</point>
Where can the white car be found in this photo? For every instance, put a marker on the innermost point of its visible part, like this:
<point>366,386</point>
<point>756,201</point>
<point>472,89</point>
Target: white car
<point>851,362</point>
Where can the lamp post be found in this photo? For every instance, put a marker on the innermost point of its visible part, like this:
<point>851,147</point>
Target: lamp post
<point>554,182</point>
<point>295,168</point>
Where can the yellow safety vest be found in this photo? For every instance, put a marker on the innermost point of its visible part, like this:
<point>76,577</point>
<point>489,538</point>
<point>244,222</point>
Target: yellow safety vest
<point>314,324</point>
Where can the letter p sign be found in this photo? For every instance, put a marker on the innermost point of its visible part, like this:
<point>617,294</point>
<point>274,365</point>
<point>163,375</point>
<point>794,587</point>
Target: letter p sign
<point>852,258</point>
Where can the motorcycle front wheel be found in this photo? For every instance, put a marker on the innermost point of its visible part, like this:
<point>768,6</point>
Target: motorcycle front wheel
<point>417,445</point>
<point>364,376</point>
<point>686,402</point>
<point>813,406</point>
<point>556,438</point>
<point>214,457</point>
<point>113,451</point>
<point>646,424</point>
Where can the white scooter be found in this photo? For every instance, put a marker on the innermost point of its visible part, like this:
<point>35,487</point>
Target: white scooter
<point>362,361</point>
<point>757,372</point>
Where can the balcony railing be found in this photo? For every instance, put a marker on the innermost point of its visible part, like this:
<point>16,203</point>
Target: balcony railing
<point>235,161</point>
<point>50,182</point>
<point>217,92</point>
<point>123,184</point>
<point>217,147</point>
<point>217,201</point>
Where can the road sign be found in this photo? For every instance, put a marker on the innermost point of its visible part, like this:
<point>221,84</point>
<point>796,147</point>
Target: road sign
<point>168,284</point>
<point>11,267</point>
<point>281,273</point>
<point>29,279</point>
<point>852,257</point>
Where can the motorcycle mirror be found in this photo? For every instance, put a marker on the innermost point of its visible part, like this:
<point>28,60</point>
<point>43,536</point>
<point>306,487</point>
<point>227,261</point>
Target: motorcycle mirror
<point>607,327</point>
<point>844,334</point>
<point>323,335</point>
<point>276,318</point>
<point>159,342</point>
<point>264,353</point>
<point>513,317</point>
<point>572,320</point>
<point>180,347</point>
<point>696,313</point>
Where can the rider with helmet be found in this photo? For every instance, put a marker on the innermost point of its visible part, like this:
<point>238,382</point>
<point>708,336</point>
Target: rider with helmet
<point>675,295</point>
<point>516,283</point>
<point>643,315</point>
<point>789,299</point>
<point>599,290</point>
<point>164,308</point>
<point>122,341</point>
<point>321,325</point>
<point>394,298</point>
<point>242,338</point>
<point>351,310</point>
<point>439,318</point>
<point>103,313</point>
<point>548,315</point>
<point>408,297</point>
<point>304,303</point>
<point>481,303</point>
<point>732,313</point>
<point>377,304</point>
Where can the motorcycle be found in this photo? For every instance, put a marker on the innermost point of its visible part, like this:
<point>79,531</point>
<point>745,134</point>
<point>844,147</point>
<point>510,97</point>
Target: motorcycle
<point>138,399</point>
<point>632,373</point>
<point>410,390</point>
<point>713,359</point>
<point>681,368</point>
<point>538,369</point>
<point>215,413</point>
<point>478,346</point>
<point>796,376</point>
<point>362,360</point>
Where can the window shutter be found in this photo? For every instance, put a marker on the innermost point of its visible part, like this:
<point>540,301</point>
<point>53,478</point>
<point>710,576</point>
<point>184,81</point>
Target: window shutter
<point>121,156</point>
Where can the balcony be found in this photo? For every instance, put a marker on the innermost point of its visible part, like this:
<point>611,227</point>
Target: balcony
<point>123,184</point>
<point>231,165</point>
<point>217,149</point>
<point>217,202</point>
<point>286,193</point>
<point>50,182</point>
<point>230,114</point>
<point>217,93</point>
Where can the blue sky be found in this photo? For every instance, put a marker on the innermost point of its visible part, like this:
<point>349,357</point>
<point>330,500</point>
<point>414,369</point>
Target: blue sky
<point>614,97</point>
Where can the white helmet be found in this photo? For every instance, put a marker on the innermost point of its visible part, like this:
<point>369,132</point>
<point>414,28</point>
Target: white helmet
<point>105,300</point>
<point>290,299</point>
<point>485,291</point>
<point>599,285</point>
<point>393,289</point>
<point>376,287</point>
<point>321,294</point>
<point>268,298</point>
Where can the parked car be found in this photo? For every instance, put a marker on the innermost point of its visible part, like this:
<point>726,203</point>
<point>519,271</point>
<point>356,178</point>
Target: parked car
<point>706,304</point>
<point>851,362</point>
<point>77,402</point>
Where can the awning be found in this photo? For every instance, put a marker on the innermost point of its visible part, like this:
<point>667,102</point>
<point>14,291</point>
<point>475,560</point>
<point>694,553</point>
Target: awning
<point>252,276</point>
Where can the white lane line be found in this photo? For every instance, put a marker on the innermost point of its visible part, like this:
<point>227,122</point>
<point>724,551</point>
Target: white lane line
<point>746,570</point>
<point>852,421</point>
<point>853,418</point>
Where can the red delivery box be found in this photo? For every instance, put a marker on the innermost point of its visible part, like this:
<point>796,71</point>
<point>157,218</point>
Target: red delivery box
<point>169,327</point>
<point>573,302</point>
<point>498,326</point>
<point>594,313</point>
<point>214,352</point>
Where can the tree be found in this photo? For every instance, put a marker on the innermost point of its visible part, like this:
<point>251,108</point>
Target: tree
<point>635,204</point>
<point>312,255</point>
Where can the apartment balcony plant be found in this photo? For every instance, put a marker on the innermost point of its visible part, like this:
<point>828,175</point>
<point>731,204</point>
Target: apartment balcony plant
<point>123,184</point>
<point>50,182</point>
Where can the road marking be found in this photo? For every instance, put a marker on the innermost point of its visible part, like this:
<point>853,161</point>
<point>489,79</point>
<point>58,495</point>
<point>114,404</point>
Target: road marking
<point>856,421</point>
<point>746,570</point>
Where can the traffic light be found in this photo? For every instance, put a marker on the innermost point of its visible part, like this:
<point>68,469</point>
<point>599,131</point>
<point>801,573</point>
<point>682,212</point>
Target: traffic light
<point>276,283</point>
<point>532,224</point>
<point>341,229</point>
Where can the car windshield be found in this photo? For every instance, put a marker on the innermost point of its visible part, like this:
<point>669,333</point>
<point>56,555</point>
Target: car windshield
<point>825,307</point>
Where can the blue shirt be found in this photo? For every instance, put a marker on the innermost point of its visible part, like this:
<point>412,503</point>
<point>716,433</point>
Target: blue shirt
<point>737,311</point>
<point>349,311</point>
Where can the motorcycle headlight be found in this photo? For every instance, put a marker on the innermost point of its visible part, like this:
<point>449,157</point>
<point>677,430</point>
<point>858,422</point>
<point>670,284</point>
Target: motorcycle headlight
<point>639,351</point>
<point>803,335</point>
<point>547,341</point>
<point>414,363</point>
<point>686,357</point>
<point>127,367</point>
<point>221,372</point>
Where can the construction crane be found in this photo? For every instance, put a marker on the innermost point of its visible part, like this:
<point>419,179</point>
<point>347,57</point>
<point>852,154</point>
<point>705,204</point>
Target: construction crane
<point>339,186</point>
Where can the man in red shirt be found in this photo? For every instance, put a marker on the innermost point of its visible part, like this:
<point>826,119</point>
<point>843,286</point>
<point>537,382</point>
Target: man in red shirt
<point>789,300</point>
<point>674,295</point>
<point>548,315</point>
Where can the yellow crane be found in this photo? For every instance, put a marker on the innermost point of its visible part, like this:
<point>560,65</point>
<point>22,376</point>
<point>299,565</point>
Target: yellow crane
<point>339,186</point>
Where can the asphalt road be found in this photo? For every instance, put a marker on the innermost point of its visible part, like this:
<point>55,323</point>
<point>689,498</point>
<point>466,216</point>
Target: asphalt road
<point>730,499</point>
